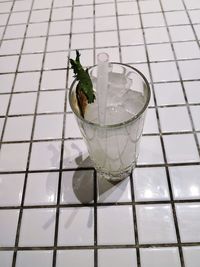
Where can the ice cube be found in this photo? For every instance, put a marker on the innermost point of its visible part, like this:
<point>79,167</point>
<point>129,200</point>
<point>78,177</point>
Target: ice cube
<point>132,101</point>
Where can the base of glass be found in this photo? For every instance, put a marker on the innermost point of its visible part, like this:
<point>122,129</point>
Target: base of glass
<point>114,176</point>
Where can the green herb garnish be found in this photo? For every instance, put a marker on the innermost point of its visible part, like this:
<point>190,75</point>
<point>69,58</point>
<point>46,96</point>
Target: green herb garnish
<point>85,83</point>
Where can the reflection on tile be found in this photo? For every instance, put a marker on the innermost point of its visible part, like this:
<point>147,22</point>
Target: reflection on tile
<point>45,155</point>
<point>13,157</point>
<point>188,219</point>
<point>191,256</point>
<point>8,227</point>
<point>34,258</point>
<point>185,182</point>
<point>11,187</point>
<point>180,153</point>
<point>40,231</point>
<point>76,226</point>
<point>150,184</point>
<point>108,192</point>
<point>115,229</point>
<point>41,188</point>
<point>117,257</point>
<point>84,258</point>
<point>155,224</point>
<point>6,258</point>
<point>157,257</point>
<point>77,187</point>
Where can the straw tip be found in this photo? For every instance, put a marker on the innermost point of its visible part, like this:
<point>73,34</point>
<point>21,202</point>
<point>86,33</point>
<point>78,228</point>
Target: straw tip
<point>103,57</point>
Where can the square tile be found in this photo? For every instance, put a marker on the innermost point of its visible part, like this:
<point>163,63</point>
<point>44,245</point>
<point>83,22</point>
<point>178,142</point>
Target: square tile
<point>172,5</point>
<point>129,22</point>
<point>105,10</point>
<point>11,189</point>
<point>22,5</point>
<point>127,8</point>
<point>155,224</point>
<point>105,24</point>
<point>59,27</point>
<point>61,13</point>
<point>51,101</point>
<point>9,47</point>
<point>18,17</point>
<point>45,155</point>
<point>3,19</point>
<point>32,45</point>
<point>197,30</point>
<point>8,227</point>
<point>180,153</point>
<point>150,6</point>
<point>176,18</point>
<point>8,64</point>
<point>83,12</point>
<point>188,215</point>
<point>181,33</point>
<point>115,225</point>
<point>30,62</point>
<point>61,3</point>
<point>150,184</point>
<point>58,43</point>
<point>133,54</point>
<point>174,119</point>
<point>109,192</point>
<point>18,128</point>
<point>82,25</point>
<point>150,151</point>
<point>117,257</point>
<point>37,29</point>
<point>156,35</point>
<point>5,7</point>
<point>4,100</point>
<point>192,91</point>
<point>189,69</point>
<point>27,81</point>
<point>106,39</point>
<point>76,226</point>
<point>193,4</point>
<point>48,127</point>
<point>35,257</point>
<point>77,187</point>
<point>6,258</point>
<point>55,79</point>
<point>13,157</point>
<point>40,15</point>
<point>185,182</point>
<point>191,256</point>
<point>169,94</point>
<point>1,125</point>
<point>187,50</point>
<point>55,60</point>
<point>131,37</point>
<point>28,100</point>
<point>160,52</point>
<point>40,231</point>
<point>15,31</point>
<point>41,188</point>
<point>150,124</point>
<point>76,154</point>
<point>153,20</point>
<point>195,110</point>
<point>164,71</point>
<point>84,258</point>
<point>80,41</point>
<point>44,4</point>
<point>157,257</point>
<point>71,127</point>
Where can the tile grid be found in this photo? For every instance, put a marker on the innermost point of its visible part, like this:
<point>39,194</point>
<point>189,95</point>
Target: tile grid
<point>172,201</point>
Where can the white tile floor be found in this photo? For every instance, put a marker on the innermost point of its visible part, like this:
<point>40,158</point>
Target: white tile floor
<point>52,213</point>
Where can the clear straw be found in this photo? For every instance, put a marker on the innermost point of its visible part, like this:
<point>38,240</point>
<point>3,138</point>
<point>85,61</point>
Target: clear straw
<point>102,86</point>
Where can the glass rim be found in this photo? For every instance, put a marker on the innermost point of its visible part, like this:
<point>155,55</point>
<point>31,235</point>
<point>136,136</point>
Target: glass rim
<point>116,125</point>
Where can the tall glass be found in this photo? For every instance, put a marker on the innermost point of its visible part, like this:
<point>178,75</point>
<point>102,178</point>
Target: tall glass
<point>114,148</point>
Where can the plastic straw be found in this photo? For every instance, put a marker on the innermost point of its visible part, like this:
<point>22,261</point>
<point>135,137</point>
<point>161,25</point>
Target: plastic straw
<point>102,86</point>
